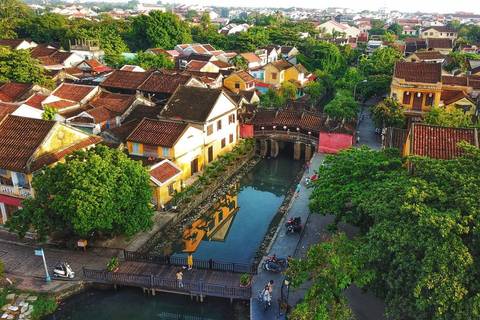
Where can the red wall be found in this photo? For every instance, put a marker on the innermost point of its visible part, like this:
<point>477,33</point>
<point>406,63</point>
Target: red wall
<point>246,130</point>
<point>332,142</point>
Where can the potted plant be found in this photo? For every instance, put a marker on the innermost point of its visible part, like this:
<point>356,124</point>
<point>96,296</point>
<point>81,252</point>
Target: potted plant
<point>112,266</point>
<point>245,280</point>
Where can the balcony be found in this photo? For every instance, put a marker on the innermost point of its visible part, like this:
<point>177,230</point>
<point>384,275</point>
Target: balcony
<point>18,191</point>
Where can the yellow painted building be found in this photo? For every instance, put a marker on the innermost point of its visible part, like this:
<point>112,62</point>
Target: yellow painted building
<point>26,145</point>
<point>241,80</point>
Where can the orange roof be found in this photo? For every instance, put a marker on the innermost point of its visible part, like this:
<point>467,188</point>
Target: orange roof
<point>164,171</point>
<point>251,57</point>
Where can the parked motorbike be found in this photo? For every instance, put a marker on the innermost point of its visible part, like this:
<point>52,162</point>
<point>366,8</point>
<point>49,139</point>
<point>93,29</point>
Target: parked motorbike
<point>270,266</point>
<point>279,261</point>
<point>64,270</point>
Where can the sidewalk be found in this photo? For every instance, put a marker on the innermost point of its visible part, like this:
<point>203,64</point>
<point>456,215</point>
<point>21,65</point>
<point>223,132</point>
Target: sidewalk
<point>366,306</point>
<point>22,266</point>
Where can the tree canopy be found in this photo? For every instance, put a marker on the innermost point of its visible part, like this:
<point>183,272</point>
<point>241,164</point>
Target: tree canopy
<point>271,99</point>
<point>97,190</point>
<point>454,118</point>
<point>388,113</point>
<point>19,66</point>
<point>418,230</point>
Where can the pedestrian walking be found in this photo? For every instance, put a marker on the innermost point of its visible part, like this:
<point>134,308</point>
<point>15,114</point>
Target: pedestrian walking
<point>307,167</point>
<point>270,285</point>
<point>190,261</point>
<point>298,191</point>
<point>179,276</point>
<point>266,296</point>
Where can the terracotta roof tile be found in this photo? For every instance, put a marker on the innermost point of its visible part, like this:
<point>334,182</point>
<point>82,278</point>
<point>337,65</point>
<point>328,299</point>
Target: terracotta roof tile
<point>164,171</point>
<point>157,51</point>
<point>396,138</point>
<point>115,102</point>
<point>282,64</point>
<point>163,83</point>
<point>123,131</point>
<point>13,43</point>
<point>48,62</point>
<point>455,81</point>
<point>418,71</point>
<point>440,43</point>
<point>196,65</point>
<point>93,63</point>
<point>157,132</point>
<point>440,142</point>
<point>61,56</point>
<point>73,92</point>
<point>101,114</point>
<point>6,109</point>
<point>42,51</point>
<point>191,103</point>
<point>13,90</point>
<point>143,111</point>
<point>222,64</point>
<point>19,139</point>
<point>251,57</point>
<point>36,100</point>
<point>125,79</point>
<point>61,104</point>
<point>429,55</point>
<point>245,76</point>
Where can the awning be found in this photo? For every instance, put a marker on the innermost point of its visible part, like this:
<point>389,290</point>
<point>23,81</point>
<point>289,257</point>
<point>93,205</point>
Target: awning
<point>11,201</point>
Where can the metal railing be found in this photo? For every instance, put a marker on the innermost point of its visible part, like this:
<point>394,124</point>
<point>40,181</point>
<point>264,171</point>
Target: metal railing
<point>152,282</point>
<point>250,268</point>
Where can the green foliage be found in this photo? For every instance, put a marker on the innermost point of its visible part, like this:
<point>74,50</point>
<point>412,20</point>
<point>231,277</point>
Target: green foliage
<point>389,36</point>
<point>245,279</point>
<point>205,21</point>
<point>345,178</point>
<point>159,30</point>
<point>99,189</point>
<point>331,267</point>
<point>348,81</point>
<point>46,28</point>
<point>19,66</point>
<point>49,113</point>
<point>240,62</point>
<point>383,61</point>
<point>2,270</point>
<point>315,90</point>
<point>388,113</point>
<point>12,13</point>
<point>343,106</point>
<point>440,117</point>
<point>459,60</point>
<point>418,227</point>
<point>271,99</point>
<point>112,264</point>
<point>43,306</point>
<point>326,57</point>
<point>289,90</point>
<point>376,85</point>
<point>396,28</point>
<point>150,60</point>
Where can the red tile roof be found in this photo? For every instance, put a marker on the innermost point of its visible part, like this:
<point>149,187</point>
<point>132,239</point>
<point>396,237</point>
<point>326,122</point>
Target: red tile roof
<point>455,81</point>
<point>61,104</point>
<point>245,76</point>
<point>113,101</point>
<point>93,63</point>
<point>158,132</point>
<point>73,92</point>
<point>6,109</point>
<point>282,64</point>
<point>163,83</point>
<point>196,65</point>
<point>125,79</point>
<point>101,114</point>
<point>439,43</point>
<point>251,57</point>
<point>13,90</point>
<point>418,71</point>
<point>35,101</point>
<point>48,62</point>
<point>222,64</point>
<point>142,111</point>
<point>439,142</point>
<point>19,139</point>
<point>42,51</point>
<point>164,171</point>
<point>123,131</point>
<point>191,103</point>
<point>61,56</point>
<point>429,55</point>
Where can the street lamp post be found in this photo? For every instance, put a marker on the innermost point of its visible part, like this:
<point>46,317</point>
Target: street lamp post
<point>363,70</point>
<point>355,89</point>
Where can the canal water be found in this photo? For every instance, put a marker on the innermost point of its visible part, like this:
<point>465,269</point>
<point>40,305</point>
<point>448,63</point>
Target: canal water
<point>231,230</point>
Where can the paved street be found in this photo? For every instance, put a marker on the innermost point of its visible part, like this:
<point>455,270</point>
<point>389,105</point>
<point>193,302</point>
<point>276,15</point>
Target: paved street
<point>365,306</point>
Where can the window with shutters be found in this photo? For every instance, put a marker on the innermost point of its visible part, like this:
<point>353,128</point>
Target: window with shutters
<point>209,129</point>
<point>223,143</point>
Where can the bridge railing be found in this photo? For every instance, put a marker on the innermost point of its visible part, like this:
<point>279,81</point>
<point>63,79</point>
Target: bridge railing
<point>250,268</point>
<point>196,287</point>
<point>284,135</point>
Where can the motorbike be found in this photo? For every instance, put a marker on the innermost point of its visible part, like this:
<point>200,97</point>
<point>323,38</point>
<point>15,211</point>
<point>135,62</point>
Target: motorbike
<point>279,261</point>
<point>293,221</point>
<point>270,266</point>
<point>294,228</point>
<point>307,181</point>
<point>64,271</point>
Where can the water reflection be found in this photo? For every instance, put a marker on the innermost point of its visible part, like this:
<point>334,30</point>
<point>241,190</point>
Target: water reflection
<point>233,228</point>
<point>213,226</point>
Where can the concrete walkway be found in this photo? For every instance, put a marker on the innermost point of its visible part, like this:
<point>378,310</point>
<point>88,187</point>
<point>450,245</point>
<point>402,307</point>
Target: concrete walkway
<point>365,306</point>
